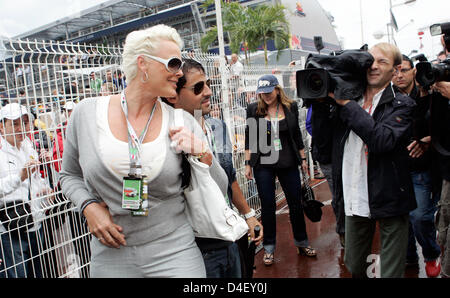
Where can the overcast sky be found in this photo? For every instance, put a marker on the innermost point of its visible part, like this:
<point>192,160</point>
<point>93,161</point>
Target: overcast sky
<point>19,16</point>
<point>411,18</point>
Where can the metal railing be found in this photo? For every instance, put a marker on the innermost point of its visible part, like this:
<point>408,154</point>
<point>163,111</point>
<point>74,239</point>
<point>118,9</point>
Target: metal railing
<point>58,74</point>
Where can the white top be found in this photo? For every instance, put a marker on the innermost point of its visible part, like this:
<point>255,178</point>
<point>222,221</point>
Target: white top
<point>12,188</point>
<point>115,153</point>
<point>354,170</point>
<point>236,68</point>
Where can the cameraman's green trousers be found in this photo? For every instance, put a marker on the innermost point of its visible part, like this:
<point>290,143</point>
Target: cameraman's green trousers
<point>359,233</point>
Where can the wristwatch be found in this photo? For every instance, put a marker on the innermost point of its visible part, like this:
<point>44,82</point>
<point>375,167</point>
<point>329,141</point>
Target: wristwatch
<point>250,214</point>
<point>247,162</point>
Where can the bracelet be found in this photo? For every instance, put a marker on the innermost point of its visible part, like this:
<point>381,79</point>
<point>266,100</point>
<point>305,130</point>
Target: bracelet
<point>86,203</point>
<point>201,155</point>
<point>252,213</point>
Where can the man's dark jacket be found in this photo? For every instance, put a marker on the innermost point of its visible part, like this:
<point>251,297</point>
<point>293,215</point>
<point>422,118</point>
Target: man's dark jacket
<point>387,134</point>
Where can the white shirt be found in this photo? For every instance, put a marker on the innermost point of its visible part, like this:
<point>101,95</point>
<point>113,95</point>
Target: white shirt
<point>236,68</point>
<point>354,170</point>
<point>115,153</point>
<point>12,188</point>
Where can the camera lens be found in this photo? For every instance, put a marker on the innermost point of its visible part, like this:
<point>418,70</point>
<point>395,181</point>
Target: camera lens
<point>315,82</point>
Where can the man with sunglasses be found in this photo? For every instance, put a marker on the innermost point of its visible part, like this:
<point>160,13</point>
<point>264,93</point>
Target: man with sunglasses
<point>421,220</point>
<point>222,258</point>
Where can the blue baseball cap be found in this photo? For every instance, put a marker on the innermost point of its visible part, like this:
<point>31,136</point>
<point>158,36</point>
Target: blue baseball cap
<point>266,84</point>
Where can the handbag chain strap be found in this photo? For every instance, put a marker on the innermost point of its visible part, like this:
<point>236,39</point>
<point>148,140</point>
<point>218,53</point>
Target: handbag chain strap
<point>305,177</point>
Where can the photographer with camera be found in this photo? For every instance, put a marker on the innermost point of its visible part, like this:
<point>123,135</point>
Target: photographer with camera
<point>435,78</point>
<point>421,158</point>
<point>440,137</point>
<point>370,164</point>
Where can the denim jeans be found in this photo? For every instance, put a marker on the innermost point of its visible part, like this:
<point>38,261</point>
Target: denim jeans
<point>421,219</point>
<point>289,179</point>
<point>21,256</point>
<point>223,262</point>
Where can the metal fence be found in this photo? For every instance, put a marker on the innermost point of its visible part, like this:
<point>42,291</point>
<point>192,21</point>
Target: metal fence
<point>48,78</point>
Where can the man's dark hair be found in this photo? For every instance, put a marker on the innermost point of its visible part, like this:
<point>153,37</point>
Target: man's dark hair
<point>187,66</point>
<point>406,58</point>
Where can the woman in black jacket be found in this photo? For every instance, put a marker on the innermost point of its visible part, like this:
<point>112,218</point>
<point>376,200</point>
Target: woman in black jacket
<point>274,148</point>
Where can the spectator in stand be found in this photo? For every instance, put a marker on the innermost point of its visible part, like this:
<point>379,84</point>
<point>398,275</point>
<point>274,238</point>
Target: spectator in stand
<point>71,91</point>
<point>58,143</point>
<point>274,148</point>
<point>95,84</point>
<point>110,79</point>
<point>99,153</point>
<point>78,227</point>
<point>23,196</point>
<point>236,66</point>
<point>27,72</point>
<point>421,219</point>
<point>19,75</point>
<point>121,80</point>
<point>108,88</point>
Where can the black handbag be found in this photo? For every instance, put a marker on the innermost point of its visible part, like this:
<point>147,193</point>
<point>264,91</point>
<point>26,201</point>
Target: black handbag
<point>311,207</point>
<point>16,217</point>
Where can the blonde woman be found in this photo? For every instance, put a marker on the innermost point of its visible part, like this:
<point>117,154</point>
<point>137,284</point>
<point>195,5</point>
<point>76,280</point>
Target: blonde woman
<point>108,139</point>
<point>274,148</point>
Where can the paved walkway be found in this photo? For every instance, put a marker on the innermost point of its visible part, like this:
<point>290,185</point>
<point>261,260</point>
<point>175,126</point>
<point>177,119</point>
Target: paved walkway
<point>329,262</point>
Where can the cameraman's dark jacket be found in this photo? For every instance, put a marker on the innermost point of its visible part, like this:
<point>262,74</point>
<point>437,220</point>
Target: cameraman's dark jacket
<point>386,134</point>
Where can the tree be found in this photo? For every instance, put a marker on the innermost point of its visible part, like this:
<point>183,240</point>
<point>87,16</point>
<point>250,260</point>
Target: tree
<point>235,22</point>
<point>269,23</point>
<point>250,27</point>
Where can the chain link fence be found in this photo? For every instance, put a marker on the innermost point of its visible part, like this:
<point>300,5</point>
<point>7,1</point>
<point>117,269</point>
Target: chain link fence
<point>49,78</point>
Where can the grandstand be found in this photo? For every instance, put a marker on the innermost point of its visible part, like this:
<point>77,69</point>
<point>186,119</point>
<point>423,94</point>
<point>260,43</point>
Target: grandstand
<point>108,23</point>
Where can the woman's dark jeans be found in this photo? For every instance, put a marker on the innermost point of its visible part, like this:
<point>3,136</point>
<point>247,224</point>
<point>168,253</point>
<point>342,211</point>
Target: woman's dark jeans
<point>289,179</point>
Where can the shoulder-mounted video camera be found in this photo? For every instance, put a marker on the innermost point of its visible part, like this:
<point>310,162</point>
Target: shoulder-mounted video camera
<point>344,73</point>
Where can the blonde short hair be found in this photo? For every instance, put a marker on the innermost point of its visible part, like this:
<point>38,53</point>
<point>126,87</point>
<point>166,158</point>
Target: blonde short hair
<point>145,41</point>
<point>391,50</point>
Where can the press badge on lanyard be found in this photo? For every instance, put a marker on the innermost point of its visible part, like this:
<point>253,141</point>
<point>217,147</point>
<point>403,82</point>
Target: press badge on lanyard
<point>275,126</point>
<point>135,191</point>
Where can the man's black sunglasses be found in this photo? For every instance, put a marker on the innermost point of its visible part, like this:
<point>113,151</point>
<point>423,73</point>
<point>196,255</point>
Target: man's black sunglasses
<point>198,87</point>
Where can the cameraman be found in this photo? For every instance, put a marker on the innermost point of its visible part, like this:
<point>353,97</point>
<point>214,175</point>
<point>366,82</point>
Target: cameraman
<point>421,219</point>
<point>370,166</point>
<point>440,136</point>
